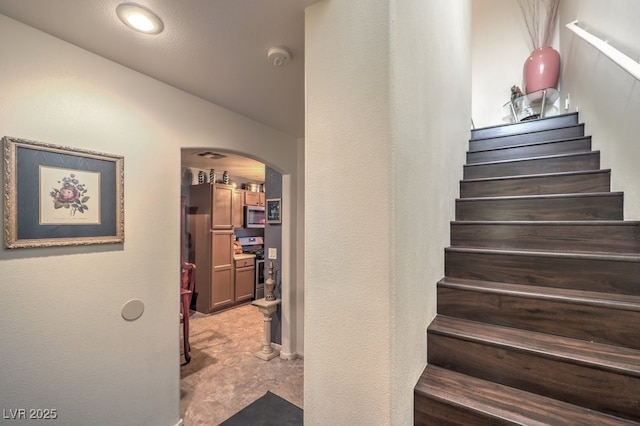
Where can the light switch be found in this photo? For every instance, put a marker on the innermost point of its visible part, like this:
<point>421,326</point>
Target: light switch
<point>273,253</point>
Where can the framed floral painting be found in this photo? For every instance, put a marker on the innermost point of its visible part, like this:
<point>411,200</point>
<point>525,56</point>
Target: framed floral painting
<point>60,196</point>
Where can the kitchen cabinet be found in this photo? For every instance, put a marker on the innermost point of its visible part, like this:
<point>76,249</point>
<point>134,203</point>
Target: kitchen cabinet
<point>254,198</point>
<point>215,200</point>
<point>237,205</point>
<point>244,279</point>
<point>212,239</point>
<point>222,206</point>
<point>222,282</point>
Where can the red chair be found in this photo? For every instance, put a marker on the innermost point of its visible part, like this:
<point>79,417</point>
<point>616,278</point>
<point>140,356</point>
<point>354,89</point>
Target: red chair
<point>187,287</point>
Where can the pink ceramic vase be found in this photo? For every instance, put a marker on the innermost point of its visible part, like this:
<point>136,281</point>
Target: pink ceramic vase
<point>541,69</point>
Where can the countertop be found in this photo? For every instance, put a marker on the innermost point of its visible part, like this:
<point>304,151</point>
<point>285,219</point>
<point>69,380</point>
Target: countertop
<point>242,256</point>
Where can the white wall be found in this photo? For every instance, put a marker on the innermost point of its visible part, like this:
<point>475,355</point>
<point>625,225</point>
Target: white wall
<point>607,97</point>
<point>499,50</point>
<point>64,343</point>
<point>388,110</point>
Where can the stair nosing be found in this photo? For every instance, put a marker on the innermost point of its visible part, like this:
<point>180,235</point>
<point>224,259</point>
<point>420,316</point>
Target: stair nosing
<point>537,175</point>
<point>542,157</point>
<point>617,257</point>
<point>576,297</point>
<point>578,353</point>
<point>529,144</point>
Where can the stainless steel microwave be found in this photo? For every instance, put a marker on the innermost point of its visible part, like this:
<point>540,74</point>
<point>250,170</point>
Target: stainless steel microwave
<point>254,217</point>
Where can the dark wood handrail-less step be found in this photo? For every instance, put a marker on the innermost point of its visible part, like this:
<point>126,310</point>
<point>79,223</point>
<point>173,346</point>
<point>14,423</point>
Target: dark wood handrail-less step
<point>535,149</point>
<point>444,397</point>
<point>572,162</point>
<point>538,184</point>
<point>524,127</point>
<point>612,236</point>
<point>584,373</point>
<point>581,206</point>
<point>538,311</point>
<point>591,316</point>
<point>607,273</point>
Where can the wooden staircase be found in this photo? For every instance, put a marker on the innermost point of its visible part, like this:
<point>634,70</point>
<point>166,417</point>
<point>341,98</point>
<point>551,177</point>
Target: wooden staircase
<point>539,311</point>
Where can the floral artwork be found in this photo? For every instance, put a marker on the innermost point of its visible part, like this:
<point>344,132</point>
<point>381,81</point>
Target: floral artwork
<point>61,196</point>
<point>71,195</point>
<point>68,196</point>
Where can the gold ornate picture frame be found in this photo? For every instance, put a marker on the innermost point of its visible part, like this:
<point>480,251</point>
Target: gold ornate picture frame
<point>61,196</point>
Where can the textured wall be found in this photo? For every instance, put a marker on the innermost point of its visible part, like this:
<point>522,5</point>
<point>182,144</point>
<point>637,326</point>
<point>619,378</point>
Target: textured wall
<point>607,97</point>
<point>431,85</point>
<point>64,344</point>
<point>388,110</point>
<point>273,238</point>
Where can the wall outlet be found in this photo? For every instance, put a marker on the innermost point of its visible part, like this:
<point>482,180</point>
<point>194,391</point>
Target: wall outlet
<point>273,253</point>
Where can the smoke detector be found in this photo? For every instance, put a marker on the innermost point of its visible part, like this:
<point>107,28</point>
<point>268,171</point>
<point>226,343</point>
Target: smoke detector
<point>278,56</point>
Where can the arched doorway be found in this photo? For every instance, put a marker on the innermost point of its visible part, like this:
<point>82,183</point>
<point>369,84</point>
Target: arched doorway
<point>281,237</point>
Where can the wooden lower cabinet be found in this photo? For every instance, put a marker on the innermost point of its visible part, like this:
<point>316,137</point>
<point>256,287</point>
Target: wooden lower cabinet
<point>213,251</point>
<point>222,288</point>
<point>244,279</point>
<point>222,291</point>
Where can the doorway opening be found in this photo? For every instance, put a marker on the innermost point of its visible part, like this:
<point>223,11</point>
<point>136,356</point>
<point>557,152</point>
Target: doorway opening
<point>252,183</point>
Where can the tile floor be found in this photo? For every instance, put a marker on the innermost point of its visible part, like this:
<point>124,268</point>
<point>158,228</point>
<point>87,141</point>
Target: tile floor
<point>224,375</point>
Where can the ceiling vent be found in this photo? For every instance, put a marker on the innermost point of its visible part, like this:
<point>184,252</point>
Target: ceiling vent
<point>211,155</point>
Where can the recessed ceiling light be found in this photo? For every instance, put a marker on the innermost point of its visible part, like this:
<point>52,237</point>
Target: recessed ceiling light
<point>139,18</point>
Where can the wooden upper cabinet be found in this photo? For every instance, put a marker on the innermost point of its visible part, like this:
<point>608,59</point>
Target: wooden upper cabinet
<point>254,198</point>
<point>238,208</point>
<point>222,212</point>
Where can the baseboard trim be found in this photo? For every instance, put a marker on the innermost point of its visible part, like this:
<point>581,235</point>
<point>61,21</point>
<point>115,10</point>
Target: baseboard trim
<point>284,355</point>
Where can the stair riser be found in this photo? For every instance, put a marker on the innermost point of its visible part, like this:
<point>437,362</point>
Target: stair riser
<point>553,184</point>
<point>528,151</point>
<point>579,321</point>
<point>601,275</point>
<point>569,163</point>
<point>431,412</point>
<point>588,207</point>
<point>557,237</point>
<point>526,126</point>
<point>564,380</point>
<point>519,139</point>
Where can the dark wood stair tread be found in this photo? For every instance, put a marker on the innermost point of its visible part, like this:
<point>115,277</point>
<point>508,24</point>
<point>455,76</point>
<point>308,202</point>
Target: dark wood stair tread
<point>620,257</point>
<point>541,157</point>
<point>574,206</point>
<point>558,121</point>
<point>609,300</point>
<point>583,142</point>
<point>537,175</point>
<point>552,222</point>
<point>581,236</point>
<point>505,404</point>
<point>596,355</point>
